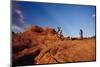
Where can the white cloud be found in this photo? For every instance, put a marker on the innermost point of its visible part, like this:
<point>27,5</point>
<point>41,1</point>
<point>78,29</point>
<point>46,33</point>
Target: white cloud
<point>17,29</point>
<point>93,15</point>
<point>20,16</point>
<point>18,24</point>
<point>18,11</point>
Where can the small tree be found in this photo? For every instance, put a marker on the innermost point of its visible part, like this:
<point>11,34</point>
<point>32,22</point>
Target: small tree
<point>81,33</point>
<point>59,31</point>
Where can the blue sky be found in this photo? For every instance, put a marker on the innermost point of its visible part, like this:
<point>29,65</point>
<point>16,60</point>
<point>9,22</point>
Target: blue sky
<point>71,18</point>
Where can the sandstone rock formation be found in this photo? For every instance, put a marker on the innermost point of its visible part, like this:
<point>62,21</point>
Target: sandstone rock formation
<point>39,45</point>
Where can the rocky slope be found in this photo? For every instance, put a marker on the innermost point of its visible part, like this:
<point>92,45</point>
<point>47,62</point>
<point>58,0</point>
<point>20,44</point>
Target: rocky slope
<point>39,45</point>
